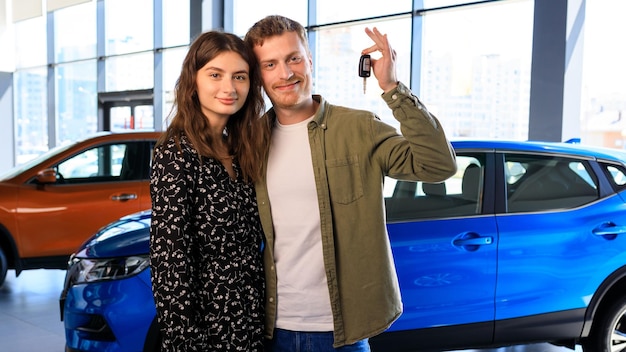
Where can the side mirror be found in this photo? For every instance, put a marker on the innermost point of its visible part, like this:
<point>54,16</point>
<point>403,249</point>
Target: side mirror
<point>46,176</point>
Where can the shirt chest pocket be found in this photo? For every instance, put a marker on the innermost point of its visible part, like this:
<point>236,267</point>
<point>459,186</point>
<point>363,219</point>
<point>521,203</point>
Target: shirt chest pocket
<point>344,180</point>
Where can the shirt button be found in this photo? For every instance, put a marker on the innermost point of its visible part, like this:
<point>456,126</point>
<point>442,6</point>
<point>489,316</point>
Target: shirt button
<point>271,299</point>
<point>272,268</point>
<point>394,97</point>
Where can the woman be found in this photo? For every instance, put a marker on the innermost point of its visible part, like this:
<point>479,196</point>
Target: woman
<point>205,245</point>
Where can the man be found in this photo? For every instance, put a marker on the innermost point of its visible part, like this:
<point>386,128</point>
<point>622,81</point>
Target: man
<point>331,281</point>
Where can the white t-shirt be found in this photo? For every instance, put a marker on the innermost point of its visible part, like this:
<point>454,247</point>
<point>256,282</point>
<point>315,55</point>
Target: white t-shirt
<point>303,299</point>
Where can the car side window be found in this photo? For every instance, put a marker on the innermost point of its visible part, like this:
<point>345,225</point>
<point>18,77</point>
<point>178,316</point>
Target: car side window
<point>541,183</point>
<point>616,174</point>
<point>106,163</point>
<point>460,195</point>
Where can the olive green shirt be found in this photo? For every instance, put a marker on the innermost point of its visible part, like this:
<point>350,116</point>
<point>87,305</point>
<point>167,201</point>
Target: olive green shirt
<point>352,152</point>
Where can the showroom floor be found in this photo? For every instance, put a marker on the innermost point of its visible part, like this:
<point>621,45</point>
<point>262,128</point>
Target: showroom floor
<point>29,315</point>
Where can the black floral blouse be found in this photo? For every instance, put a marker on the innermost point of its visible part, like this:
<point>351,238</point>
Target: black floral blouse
<point>205,254</point>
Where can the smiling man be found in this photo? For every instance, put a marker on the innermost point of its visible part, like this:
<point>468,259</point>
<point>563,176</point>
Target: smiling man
<point>331,281</point>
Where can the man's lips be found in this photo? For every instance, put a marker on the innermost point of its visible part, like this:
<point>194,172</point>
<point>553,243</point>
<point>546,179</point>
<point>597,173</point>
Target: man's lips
<point>287,86</point>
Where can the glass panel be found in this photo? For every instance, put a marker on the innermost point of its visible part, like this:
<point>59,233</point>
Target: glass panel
<point>31,121</point>
<point>121,118</point>
<point>475,79</point>
<point>616,175</point>
<point>172,63</point>
<point>99,164</point>
<point>604,99</point>
<point>248,12</point>
<point>31,43</point>
<point>175,23</point>
<point>128,26</point>
<point>460,195</point>
<point>130,72</point>
<point>431,4</point>
<point>337,58</point>
<point>536,183</point>
<point>144,117</point>
<point>329,11</point>
<point>75,32</point>
<point>77,101</point>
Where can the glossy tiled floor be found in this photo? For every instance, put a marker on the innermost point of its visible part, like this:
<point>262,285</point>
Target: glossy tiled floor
<point>29,315</point>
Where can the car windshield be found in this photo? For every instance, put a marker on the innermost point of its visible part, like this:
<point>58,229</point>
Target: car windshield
<point>31,163</point>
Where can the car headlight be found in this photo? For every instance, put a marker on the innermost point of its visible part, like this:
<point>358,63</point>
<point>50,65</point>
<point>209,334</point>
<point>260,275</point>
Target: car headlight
<point>82,270</point>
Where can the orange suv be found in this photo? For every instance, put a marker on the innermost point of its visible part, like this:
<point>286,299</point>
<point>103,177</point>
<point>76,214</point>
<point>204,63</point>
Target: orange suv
<point>52,204</point>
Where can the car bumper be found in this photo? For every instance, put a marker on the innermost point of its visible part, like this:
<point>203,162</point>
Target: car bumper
<point>108,315</point>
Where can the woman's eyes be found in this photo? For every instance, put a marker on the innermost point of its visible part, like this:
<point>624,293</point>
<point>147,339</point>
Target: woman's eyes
<point>237,77</point>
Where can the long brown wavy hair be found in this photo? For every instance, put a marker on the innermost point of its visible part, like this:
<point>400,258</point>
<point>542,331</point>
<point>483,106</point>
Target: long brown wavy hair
<point>247,135</point>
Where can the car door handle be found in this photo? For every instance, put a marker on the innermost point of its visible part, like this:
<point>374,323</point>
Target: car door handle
<point>478,241</point>
<point>124,197</point>
<point>471,241</point>
<point>610,230</point>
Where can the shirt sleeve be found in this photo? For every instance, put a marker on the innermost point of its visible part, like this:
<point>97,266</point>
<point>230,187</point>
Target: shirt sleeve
<point>431,157</point>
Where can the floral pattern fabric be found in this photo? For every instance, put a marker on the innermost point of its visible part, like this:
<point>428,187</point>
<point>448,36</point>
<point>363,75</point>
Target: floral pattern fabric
<point>205,254</point>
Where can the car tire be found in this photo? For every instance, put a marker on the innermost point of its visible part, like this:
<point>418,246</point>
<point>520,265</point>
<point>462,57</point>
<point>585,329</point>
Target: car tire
<point>607,325</point>
<point>3,267</point>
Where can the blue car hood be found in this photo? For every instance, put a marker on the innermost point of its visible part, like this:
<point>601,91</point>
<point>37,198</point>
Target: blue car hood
<point>130,235</point>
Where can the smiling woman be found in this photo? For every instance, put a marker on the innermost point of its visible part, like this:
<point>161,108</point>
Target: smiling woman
<point>205,224</point>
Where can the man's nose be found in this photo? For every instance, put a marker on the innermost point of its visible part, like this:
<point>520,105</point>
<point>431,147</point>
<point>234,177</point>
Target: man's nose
<point>285,71</point>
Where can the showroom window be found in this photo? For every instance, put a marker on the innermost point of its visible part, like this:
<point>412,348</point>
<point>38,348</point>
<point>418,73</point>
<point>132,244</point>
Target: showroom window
<point>30,89</point>
<point>130,72</point>
<point>330,11</point>
<point>76,101</point>
<point>128,26</point>
<point>75,32</point>
<point>603,112</point>
<point>31,122</point>
<point>250,11</point>
<point>337,54</point>
<point>175,21</point>
<point>172,65</point>
<point>75,72</point>
<point>475,79</point>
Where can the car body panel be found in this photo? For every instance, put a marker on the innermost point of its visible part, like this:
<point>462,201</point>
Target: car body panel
<point>554,261</point>
<point>69,211</point>
<point>45,223</point>
<point>433,271</point>
<point>116,301</point>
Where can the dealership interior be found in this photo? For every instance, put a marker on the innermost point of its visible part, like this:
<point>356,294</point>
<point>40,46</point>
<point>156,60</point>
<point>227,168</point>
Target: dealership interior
<point>547,70</point>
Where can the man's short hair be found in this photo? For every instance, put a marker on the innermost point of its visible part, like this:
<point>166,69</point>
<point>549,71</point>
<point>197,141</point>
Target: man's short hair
<point>274,25</point>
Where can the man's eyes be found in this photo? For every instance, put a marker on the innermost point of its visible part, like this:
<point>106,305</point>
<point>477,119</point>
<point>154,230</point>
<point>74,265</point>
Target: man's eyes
<point>291,60</point>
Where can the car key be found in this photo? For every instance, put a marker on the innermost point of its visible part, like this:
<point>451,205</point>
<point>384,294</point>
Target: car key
<point>365,68</point>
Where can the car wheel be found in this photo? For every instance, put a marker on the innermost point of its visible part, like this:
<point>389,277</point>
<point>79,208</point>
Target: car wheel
<point>609,330</point>
<point>3,267</point>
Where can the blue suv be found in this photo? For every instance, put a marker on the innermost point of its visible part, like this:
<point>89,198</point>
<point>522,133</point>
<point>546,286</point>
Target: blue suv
<point>527,243</point>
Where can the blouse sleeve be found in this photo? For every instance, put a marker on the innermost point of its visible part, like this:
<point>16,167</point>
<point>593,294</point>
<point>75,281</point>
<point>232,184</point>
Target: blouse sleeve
<point>171,258</point>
